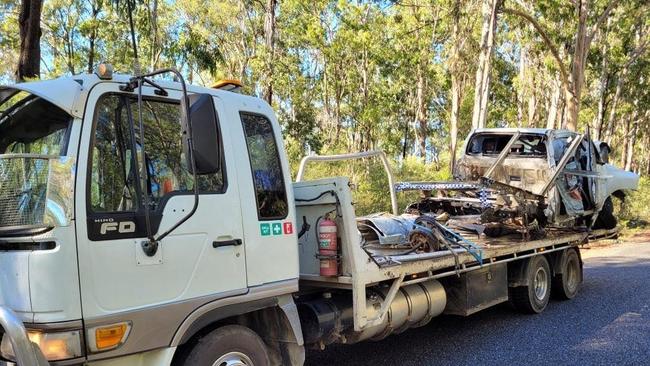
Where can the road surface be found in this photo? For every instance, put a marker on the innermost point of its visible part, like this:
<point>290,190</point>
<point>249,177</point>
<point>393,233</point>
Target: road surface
<point>607,323</point>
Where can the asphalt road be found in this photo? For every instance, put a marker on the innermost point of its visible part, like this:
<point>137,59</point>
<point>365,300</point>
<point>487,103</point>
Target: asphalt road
<point>607,323</point>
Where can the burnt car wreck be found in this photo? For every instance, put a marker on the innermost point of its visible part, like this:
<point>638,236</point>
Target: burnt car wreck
<point>519,184</point>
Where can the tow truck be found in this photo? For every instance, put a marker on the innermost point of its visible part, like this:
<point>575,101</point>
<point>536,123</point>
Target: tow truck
<point>148,222</point>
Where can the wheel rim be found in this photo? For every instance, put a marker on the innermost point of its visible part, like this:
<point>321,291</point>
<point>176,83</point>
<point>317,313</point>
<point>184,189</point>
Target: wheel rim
<point>540,283</point>
<point>571,276</point>
<point>233,359</point>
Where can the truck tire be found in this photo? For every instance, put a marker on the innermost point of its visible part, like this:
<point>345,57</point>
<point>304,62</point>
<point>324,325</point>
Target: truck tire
<point>533,298</point>
<point>606,219</point>
<point>229,345</point>
<point>567,282</point>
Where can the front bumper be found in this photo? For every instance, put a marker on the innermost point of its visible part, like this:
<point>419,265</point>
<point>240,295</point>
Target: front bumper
<point>27,353</point>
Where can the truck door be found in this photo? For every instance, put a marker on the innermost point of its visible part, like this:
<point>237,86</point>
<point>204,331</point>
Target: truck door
<point>202,260</point>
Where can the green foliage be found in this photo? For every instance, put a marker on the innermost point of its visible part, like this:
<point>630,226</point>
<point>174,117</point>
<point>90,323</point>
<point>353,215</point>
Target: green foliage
<point>370,182</point>
<point>349,76</point>
<point>637,203</point>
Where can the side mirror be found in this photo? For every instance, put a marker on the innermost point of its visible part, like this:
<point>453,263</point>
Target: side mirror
<point>206,146</point>
<point>603,153</point>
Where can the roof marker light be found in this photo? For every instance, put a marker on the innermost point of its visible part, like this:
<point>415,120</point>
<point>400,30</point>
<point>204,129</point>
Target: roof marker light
<point>232,85</point>
<point>104,71</point>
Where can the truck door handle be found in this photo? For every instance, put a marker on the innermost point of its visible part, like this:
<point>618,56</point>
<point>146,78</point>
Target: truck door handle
<point>226,243</point>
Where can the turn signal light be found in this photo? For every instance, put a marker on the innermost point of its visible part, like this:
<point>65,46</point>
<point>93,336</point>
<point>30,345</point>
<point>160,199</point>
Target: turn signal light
<point>110,336</point>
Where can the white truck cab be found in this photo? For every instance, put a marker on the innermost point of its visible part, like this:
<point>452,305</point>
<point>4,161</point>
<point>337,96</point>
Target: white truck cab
<point>77,268</point>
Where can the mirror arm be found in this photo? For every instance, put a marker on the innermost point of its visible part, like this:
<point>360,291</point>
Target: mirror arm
<point>143,165</point>
<point>185,115</point>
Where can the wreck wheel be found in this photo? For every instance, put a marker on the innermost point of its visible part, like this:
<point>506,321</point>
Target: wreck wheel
<point>423,241</point>
<point>422,237</point>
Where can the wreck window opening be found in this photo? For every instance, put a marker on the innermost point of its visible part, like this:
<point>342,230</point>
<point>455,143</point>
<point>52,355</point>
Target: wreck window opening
<point>529,145</point>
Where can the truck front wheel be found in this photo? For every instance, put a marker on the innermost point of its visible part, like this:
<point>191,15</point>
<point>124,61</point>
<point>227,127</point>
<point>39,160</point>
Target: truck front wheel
<point>231,345</point>
<point>533,297</point>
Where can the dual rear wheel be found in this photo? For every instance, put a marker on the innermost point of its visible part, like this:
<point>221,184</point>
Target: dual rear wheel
<point>533,297</point>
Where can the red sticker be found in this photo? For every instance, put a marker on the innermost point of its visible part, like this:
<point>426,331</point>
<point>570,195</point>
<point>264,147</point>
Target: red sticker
<point>288,228</point>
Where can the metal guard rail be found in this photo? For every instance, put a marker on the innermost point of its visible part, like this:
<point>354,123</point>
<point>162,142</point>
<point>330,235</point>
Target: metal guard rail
<point>366,154</point>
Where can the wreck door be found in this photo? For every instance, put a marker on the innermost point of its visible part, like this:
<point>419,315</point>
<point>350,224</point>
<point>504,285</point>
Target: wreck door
<point>566,151</point>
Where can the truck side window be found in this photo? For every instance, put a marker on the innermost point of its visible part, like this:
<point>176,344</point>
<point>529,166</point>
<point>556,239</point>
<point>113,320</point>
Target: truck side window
<point>265,167</point>
<point>113,187</point>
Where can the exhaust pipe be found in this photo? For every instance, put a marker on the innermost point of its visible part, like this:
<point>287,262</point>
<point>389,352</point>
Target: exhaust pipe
<point>329,319</point>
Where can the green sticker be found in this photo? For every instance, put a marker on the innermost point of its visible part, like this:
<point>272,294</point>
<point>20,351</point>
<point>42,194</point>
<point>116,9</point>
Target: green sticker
<point>265,229</point>
<point>277,228</point>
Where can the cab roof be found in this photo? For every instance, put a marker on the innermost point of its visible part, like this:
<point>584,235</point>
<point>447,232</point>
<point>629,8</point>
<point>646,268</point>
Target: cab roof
<point>68,92</point>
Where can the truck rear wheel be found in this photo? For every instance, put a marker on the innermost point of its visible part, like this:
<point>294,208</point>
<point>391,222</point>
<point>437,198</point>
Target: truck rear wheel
<point>534,297</point>
<point>567,282</point>
<point>231,345</point>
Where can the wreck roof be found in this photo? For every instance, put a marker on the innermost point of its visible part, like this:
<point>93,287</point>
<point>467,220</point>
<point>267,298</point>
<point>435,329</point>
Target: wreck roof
<point>537,131</point>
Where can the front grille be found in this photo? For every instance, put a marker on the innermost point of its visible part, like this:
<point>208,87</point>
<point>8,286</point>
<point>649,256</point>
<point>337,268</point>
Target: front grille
<point>23,191</point>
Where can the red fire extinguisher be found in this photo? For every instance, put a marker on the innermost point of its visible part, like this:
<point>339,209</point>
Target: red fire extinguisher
<point>327,248</point>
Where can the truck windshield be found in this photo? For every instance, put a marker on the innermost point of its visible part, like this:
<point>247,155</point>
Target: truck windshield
<point>33,170</point>
<point>32,125</point>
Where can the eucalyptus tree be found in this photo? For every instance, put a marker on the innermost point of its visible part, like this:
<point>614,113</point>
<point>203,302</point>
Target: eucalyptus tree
<point>29,59</point>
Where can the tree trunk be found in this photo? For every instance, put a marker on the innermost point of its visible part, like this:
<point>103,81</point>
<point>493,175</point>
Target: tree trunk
<point>521,91</point>
<point>29,20</point>
<point>580,48</point>
<point>269,40</point>
<point>95,9</point>
<point>482,84</point>
<point>646,145</point>
<point>603,81</point>
<point>91,51</point>
<point>630,135</point>
<point>421,115</point>
<point>641,45</point>
<point>155,53</point>
<point>532,104</point>
<point>626,138</point>
<point>630,145</point>
<point>455,88</point>
<point>612,111</point>
<point>555,101</point>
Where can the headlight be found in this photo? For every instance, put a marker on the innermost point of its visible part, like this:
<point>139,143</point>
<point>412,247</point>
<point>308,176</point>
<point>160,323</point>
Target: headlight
<point>55,345</point>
